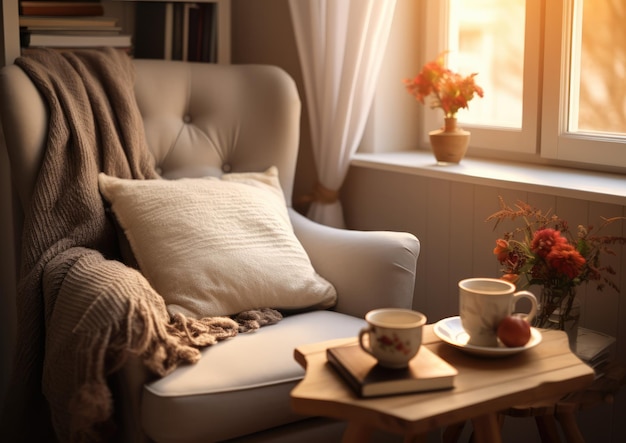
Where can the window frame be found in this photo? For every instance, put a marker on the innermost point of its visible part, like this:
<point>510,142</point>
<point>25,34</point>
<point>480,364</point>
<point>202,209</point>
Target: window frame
<point>544,135</point>
<point>557,142</point>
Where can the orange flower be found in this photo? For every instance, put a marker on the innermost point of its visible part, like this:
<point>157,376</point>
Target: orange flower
<point>545,240</point>
<point>512,278</point>
<point>501,250</point>
<point>566,260</point>
<point>449,90</point>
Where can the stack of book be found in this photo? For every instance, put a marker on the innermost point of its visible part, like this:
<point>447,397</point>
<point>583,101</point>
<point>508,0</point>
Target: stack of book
<point>596,349</point>
<point>69,25</point>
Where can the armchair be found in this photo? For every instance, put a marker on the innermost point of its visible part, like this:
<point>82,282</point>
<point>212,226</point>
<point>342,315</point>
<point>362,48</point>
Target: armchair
<point>206,120</point>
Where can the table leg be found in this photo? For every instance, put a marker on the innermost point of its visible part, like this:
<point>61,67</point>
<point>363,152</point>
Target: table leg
<point>452,433</point>
<point>417,438</point>
<point>487,428</point>
<point>548,430</point>
<point>357,433</point>
<point>570,428</point>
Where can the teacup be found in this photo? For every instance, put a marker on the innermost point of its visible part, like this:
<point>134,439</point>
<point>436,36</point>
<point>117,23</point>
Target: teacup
<point>484,302</point>
<point>395,335</point>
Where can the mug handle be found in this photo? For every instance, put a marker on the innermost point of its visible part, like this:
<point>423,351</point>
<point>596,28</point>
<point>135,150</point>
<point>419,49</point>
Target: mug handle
<point>362,333</point>
<point>533,301</point>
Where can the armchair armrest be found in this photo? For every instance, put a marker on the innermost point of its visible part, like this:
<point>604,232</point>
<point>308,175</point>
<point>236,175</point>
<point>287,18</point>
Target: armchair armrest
<point>369,269</point>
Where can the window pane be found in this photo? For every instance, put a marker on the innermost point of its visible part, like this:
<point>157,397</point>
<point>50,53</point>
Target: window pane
<point>487,37</point>
<point>598,68</point>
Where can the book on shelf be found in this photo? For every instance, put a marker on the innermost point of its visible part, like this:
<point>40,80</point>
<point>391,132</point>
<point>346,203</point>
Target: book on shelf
<point>426,372</point>
<point>201,37</point>
<point>151,29</point>
<point>61,8</point>
<point>75,30</point>
<point>66,22</point>
<point>176,31</point>
<point>76,41</point>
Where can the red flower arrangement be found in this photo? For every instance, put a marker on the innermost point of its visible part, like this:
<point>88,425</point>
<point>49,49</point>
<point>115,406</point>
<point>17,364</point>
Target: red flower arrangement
<point>449,91</point>
<point>549,255</point>
<point>552,258</point>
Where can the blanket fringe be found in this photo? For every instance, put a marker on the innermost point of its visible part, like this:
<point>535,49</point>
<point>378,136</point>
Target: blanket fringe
<point>256,318</point>
<point>162,343</point>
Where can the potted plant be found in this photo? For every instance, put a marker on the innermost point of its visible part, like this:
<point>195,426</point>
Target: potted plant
<point>449,91</point>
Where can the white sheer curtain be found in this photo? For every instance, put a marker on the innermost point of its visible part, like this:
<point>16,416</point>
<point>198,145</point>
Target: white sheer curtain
<point>341,44</point>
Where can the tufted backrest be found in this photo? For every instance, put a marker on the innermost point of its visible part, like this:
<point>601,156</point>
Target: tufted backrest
<point>199,119</point>
<point>233,118</point>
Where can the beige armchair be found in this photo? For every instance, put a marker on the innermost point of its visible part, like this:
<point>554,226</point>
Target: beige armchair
<point>199,120</point>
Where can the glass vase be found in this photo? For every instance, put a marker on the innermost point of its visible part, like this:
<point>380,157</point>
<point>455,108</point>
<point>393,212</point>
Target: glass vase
<point>559,309</point>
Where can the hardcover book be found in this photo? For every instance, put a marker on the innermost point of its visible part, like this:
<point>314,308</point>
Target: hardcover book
<point>68,22</point>
<point>426,372</point>
<point>66,8</point>
<point>76,41</point>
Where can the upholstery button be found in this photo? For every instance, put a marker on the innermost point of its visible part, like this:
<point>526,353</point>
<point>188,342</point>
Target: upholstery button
<point>226,167</point>
<point>187,118</point>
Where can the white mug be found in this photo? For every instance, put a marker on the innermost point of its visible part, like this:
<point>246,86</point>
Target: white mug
<point>484,302</point>
<point>395,335</point>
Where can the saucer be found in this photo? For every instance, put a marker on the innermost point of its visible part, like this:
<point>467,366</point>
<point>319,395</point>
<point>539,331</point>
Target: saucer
<point>450,330</point>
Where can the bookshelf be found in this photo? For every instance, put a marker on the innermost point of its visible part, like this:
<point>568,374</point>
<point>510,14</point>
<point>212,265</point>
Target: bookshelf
<point>10,35</point>
<point>171,8</point>
<point>124,10</point>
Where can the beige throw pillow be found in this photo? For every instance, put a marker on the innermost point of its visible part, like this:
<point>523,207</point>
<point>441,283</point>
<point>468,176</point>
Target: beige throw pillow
<point>215,246</point>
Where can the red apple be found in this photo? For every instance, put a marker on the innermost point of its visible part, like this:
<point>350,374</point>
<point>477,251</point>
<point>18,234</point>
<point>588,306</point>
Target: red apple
<point>514,331</point>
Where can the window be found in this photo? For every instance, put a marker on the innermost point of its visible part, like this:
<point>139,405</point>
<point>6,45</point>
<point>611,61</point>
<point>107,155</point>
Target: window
<point>474,28</point>
<point>585,105</point>
<point>552,72</point>
<point>598,68</point>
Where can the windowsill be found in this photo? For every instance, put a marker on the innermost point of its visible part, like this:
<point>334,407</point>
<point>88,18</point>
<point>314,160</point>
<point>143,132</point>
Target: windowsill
<point>562,182</point>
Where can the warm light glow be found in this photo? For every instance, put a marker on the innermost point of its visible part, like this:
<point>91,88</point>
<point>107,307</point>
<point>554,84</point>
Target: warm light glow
<point>598,67</point>
<point>487,36</point>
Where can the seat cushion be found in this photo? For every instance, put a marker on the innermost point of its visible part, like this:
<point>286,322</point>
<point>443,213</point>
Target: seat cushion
<point>241,385</point>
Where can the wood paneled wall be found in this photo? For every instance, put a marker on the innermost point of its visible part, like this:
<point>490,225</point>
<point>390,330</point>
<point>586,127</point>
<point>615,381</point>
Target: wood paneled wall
<point>448,217</point>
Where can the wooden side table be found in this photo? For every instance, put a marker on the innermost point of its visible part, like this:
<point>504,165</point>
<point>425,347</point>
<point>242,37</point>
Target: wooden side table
<point>483,387</point>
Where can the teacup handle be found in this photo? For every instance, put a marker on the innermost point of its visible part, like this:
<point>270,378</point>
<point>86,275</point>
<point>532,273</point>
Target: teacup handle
<point>364,331</point>
<point>533,301</point>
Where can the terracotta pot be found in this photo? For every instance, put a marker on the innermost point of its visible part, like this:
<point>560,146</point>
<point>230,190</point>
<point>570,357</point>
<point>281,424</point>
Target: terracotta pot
<point>449,143</point>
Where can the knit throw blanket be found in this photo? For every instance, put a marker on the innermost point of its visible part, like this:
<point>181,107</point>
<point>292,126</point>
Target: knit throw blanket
<point>81,312</point>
